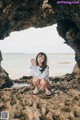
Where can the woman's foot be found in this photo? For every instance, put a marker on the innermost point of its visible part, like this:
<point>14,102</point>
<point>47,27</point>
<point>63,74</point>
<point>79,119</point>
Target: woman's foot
<point>41,90</point>
<point>48,92</point>
<point>35,92</point>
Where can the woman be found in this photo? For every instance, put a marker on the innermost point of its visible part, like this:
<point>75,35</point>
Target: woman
<point>40,73</point>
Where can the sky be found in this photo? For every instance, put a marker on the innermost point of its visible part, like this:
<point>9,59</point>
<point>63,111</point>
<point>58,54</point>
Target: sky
<point>34,40</point>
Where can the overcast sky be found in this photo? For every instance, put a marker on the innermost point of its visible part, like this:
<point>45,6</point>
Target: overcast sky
<point>35,40</point>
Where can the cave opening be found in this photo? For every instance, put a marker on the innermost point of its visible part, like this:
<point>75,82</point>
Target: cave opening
<point>21,46</point>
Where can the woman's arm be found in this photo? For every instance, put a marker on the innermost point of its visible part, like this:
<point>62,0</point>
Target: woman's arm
<point>33,67</point>
<point>33,70</point>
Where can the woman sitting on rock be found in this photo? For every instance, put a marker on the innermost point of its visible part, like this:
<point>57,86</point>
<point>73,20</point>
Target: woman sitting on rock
<point>40,73</point>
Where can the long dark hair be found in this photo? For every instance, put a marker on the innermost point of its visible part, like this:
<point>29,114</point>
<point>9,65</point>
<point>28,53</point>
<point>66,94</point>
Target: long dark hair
<point>44,64</point>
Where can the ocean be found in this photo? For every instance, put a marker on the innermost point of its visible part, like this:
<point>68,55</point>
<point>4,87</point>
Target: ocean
<point>18,64</point>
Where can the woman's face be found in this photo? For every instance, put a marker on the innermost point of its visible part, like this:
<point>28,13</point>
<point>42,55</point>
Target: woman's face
<point>40,59</point>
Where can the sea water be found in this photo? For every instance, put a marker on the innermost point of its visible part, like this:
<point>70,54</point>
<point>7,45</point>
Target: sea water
<point>18,64</point>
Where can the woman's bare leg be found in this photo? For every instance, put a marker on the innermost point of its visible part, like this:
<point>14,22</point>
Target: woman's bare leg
<point>44,85</point>
<point>36,83</point>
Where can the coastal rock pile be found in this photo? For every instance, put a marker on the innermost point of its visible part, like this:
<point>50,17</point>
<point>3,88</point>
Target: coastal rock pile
<point>63,104</point>
<point>16,15</point>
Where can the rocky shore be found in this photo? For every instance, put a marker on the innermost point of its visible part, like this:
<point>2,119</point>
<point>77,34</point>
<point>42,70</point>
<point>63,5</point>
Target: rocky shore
<point>63,104</point>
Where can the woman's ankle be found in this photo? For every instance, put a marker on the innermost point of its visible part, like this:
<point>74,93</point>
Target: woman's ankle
<point>47,90</point>
<point>36,88</point>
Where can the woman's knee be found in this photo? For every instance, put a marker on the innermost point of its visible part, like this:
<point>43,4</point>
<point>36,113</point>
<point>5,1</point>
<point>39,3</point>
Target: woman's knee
<point>35,80</point>
<point>43,82</point>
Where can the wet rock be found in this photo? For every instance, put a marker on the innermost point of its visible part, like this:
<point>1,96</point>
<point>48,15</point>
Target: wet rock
<point>26,77</point>
<point>6,83</point>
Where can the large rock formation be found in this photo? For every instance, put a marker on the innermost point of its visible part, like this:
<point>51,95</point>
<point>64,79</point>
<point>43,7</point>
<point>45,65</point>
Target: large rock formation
<point>17,15</point>
<point>4,77</point>
<point>68,21</point>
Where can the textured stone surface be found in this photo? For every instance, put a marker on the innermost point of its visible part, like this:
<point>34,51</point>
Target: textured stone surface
<point>63,104</point>
<point>4,77</point>
<point>68,21</point>
<point>16,15</point>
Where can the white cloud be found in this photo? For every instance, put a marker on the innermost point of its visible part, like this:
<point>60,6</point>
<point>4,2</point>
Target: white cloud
<point>35,40</point>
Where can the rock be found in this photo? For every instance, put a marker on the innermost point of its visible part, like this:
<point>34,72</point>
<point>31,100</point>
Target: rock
<point>68,102</point>
<point>23,105</point>
<point>12,14</point>
<point>49,116</point>
<point>62,117</point>
<point>71,116</point>
<point>4,77</point>
<point>42,13</point>
<point>76,70</point>
<point>67,109</point>
<point>77,111</point>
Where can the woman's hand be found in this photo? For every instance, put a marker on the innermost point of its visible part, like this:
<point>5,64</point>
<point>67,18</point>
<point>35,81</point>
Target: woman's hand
<point>33,62</point>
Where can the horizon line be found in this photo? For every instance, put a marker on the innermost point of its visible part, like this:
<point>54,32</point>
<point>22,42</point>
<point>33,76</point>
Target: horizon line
<point>35,53</point>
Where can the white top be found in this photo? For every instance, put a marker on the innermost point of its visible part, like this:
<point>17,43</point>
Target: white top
<point>35,71</point>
